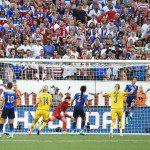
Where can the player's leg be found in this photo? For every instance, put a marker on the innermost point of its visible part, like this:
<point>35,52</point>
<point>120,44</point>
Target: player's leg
<point>128,109</point>
<point>44,122</point>
<point>82,126</point>
<point>60,117</point>
<point>74,124</point>
<point>75,115</point>
<point>113,115</point>
<point>132,108</point>
<point>11,128</point>
<point>120,114</point>
<point>1,125</point>
<point>36,118</point>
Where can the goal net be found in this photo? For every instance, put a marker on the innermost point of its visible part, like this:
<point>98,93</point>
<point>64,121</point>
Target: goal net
<point>64,78</point>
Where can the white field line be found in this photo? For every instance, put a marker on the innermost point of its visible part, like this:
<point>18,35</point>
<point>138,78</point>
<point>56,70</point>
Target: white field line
<point>78,141</point>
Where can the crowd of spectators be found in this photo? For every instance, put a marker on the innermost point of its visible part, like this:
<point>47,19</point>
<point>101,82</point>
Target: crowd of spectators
<point>76,29</point>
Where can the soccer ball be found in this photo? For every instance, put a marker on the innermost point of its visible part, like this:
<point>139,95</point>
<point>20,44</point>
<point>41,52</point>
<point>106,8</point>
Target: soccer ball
<point>29,125</point>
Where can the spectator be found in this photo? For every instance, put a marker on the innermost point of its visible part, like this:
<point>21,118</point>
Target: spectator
<point>49,48</point>
<point>141,97</point>
<point>19,95</point>
<point>56,97</point>
<point>68,54</point>
<point>37,48</point>
<point>13,53</point>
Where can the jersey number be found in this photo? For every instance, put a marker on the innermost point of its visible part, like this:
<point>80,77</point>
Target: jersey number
<point>46,100</point>
<point>116,99</point>
<point>10,99</point>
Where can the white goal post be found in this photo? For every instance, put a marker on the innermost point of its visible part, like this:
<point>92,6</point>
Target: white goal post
<point>68,76</point>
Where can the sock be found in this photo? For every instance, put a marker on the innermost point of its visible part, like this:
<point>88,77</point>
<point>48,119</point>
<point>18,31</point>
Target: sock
<point>127,114</point>
<point>1,128</point>
<point>64,126</point>
<point>43,125</point>
<point>4,128</point>
<point>120,125</point>
<point>82,125</point>
<point>49,119</point>
<point>32,126</point>
<point>73,126</point>
<point>11,128</point>
<point>132,110</point>
<point>112,127</point>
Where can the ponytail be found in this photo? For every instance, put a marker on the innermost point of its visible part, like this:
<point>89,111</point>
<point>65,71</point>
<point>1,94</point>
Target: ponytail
<point>82,89</point>
<point>117,87</point>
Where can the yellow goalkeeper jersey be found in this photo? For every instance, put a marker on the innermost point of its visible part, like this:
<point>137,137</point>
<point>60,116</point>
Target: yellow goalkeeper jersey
<point>45,101</point>
<point>116,100</point>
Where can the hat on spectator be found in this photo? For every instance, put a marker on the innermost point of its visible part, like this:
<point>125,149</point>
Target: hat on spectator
<point>102,10</point>
<point>117,14</point>
<point>78,38</point>
<point>122,20</point>
<point>56,88</point>
<point>117,45</point>
<point>5,25</point>
<point>9,30</point>
<point>96,52</point>
<point>38,39</point>
<point>107,43</point>
<point>111,20</point>
<point>74,46</point>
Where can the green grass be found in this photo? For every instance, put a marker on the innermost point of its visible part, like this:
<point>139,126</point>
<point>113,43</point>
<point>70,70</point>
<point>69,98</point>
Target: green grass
<point>76,142</point>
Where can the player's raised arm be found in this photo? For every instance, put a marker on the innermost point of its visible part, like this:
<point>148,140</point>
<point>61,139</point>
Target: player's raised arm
<point>103,94</point>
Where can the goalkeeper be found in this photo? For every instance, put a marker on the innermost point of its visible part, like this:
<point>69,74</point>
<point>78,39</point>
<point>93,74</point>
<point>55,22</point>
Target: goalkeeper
<point>56,114</point>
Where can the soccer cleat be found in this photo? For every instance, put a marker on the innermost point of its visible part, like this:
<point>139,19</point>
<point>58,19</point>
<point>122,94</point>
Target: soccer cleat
<point>72,133</point>
<point>11,137</point>
<point>126,121</point>
<point>82,133</point>
<point>111,134</point>
<point>39,125</point>
<point>29,133</point>
<point>38,133</point>
<point>121,134</point>
<point>0,135</point>
<point>130,116</point>
<point>65,133</point>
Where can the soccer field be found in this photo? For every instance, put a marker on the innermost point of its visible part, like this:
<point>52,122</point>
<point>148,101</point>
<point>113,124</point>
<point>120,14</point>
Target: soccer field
<point>76,142</point>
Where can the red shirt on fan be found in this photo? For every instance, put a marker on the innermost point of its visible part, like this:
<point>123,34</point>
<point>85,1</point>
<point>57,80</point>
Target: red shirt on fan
<point>99,18</point>
<point>111,15</point>
<point>63,31</point>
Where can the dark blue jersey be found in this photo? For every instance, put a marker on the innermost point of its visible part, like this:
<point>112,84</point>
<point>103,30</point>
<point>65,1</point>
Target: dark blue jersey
<point>78,101</point>
<point>9,96</point>
<point>128,88</point>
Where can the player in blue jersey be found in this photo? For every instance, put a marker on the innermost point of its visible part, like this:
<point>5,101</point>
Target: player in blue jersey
<point>8,100</point>
<point>81,99</point>
<point>131,99</point>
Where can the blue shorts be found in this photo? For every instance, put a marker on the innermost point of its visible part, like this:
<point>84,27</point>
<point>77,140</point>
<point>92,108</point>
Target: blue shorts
<point>78,112</point>
<point>8,112</point>
<point>130,100</point>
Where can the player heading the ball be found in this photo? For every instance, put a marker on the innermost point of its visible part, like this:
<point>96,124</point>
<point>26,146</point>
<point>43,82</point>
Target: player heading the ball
<point>117,106</point>
<point>8,100</point>
<point>44,103</point>
<point>131,99</point>
<point>81,99</point>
